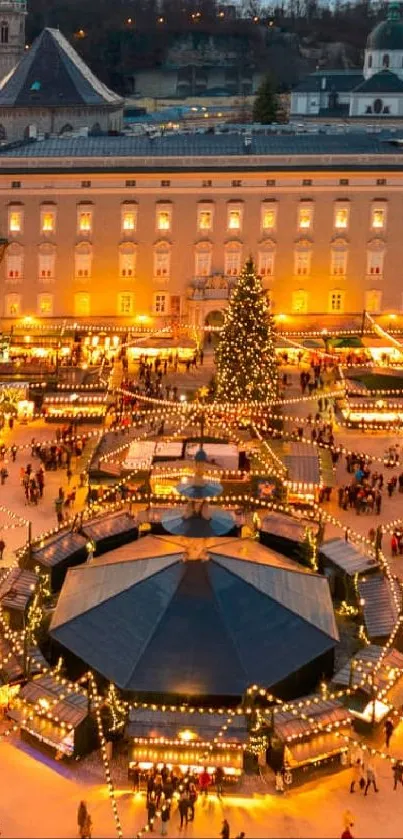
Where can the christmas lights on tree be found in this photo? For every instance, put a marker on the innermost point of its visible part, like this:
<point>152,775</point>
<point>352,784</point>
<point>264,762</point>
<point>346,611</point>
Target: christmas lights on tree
<point>245,358</point>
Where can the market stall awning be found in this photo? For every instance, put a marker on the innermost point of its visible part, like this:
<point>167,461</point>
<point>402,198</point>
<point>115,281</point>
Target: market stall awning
<point>319,747</point>
<point>170,724</point>
<point>364,662</point>
<point>347,557</point>
<point>284,526</point>
<point>16,589</point>
<point>107,528</point>
<point>58,548</point>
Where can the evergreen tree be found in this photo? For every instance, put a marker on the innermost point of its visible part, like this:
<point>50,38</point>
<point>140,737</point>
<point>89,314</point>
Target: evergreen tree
<point>265,106</point>
<point>245,359</point>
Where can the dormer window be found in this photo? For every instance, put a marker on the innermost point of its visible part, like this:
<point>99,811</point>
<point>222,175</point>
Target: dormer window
<point>386,61</point>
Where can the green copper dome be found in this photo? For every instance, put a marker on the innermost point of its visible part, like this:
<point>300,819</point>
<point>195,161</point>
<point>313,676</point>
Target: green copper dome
<point>388,35</point>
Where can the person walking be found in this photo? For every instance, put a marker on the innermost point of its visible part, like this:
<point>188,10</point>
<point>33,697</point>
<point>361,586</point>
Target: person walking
<point>225,830</point>
<point>358,776</point>
<point>204,781</point>
<point>219,780</point>
<point>151,811</point>
<point>371,778</point>
<point>82,818</point>
<point>397,770</point>
<point>389,728</point>
<point>2,546</point>
<point>183,809</point>
<point>165,816</point>
<point>192,800</point>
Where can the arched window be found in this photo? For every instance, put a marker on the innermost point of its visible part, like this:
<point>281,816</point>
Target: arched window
<point>46,262</point>
<point>378,106</point>
<point>386,61</point>
<point>162,260</point>
<point>67,129</point>
<point>14,263</point>
<point>127,260</point>
<point>83,261</point>
<point>233,259</point>
<point>203,254</point>
<point>82,304</point>
<point>4,32</point>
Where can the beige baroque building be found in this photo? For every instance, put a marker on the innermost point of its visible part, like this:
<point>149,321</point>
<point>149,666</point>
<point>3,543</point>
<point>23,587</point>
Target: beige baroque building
<point>135,228</point>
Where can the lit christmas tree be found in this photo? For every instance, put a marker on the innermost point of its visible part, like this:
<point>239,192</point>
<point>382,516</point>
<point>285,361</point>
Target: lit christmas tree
<point>245,358</point>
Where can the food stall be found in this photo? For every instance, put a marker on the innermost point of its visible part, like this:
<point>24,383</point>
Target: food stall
<point>55,714</point>
<point>376,675</point>
<point>56,554</point>
<point>163,347</point>
<point>74,407</point>
<point>343,564</point>
<point>16,592</point>
<point>187,739</point>
<point>110,531</point>
<point>284,533</point>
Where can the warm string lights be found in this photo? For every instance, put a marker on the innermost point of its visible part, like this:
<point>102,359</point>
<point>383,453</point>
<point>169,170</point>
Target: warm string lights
<point>96,704</point>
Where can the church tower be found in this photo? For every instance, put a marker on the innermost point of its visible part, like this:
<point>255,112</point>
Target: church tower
<point>12,33</point>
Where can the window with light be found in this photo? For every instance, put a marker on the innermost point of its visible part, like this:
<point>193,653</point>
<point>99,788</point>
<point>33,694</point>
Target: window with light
<point>162,263</point>
<point>15,221</point>
<point>48,221</point>
<point>373,300</point>
<point>125,304</point>
<point>13,305</point>
<point>203,264</point>
<point>336,301</point>
<point>45,304</point>
<point>160,304</point>
<point>338,265</point>
<point>268,218</point>
<point>234,220</point>
<point>85,221</point>
<point>305,216</point>
<point>375,260</point>
<point>378,218</point>
<point>341,218</point>
<point>299,302</point>
<point>82,304</point>
<point>163,220</point>
<point>205,220</point>
<point>302,263</point>
<point>232,263</point>
<point>266,264</point>
<point>128,221</point>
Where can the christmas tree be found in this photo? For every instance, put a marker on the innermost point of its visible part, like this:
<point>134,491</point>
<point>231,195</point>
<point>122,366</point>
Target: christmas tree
<point>245,359</point>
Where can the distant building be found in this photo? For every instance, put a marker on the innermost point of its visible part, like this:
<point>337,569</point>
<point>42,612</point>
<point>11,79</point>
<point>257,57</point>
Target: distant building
<point>374,93</point>
<point>12,33</point>
<point>52,91</point>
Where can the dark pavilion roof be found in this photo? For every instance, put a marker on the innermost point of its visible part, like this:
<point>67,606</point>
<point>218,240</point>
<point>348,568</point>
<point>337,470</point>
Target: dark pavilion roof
<point>53,75</point>
<point>338,81</point>
<point>383,82</point>
<point>190,617</point>
<point>388,35</point>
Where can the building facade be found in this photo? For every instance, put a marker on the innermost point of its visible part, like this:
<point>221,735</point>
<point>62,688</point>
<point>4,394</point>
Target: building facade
<point>12,34</point>
<point>134,228</point>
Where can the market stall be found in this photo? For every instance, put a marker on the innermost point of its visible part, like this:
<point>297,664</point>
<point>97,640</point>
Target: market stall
<point>187,740</point>
<point>74,407</point>
<point>376,674</point>
<point>57,554</point>
<point>56,716</point>
<point>284,533</point>
<point>16,591</point>
<point>343,563</point>
<point>380,600</point>
<point>298,745</point>
<point>163,347</point>
<point>16,661</point>
<point>224,455</point>
<point>108,532</point>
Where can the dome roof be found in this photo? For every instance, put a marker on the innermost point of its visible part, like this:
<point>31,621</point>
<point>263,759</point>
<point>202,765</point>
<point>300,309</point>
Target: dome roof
<point>388,35</point>
<point>200,456</point>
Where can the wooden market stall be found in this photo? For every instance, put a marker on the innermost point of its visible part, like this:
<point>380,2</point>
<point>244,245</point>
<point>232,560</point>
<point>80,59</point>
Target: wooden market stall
<point>343,563</point>
<point>16,591</point>
<point>110,531</point>
<point>380,600</point>
<point>284,533</point>
<point>57,554</point>
<point>74,407</point>
<point>187,740</point>
<point>55,715</point>
<point>298,744</point>
<point>375,678</point>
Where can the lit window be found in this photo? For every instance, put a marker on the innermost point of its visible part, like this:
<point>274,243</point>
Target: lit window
<point>129,218</point>
<point>338,264</point>
<point>232,263</point>
<point>127,261</point>
<point>234,219</point>
<point>202,263</point>
<point>336,301</point>
<point>83,261</point>
<point>160,304</point>
<point>378,218</point>
<point>45,304</point>
<point>302,263</point>
<point>82,304</point>
<point>375,260</point>
<point>266,263</point>
<point>268,218</point>
<point>12,305</point>
<point>162,263</point>
<point>205,219</point>
<point>163,220</point>
<point>305,217</point>
<point>125,304</point>
<point>299,301</point>
<point>15,221</point>
<point>48,221</point>
<point>84,221</point>
<point>373,301</point>
<point>341,215</point>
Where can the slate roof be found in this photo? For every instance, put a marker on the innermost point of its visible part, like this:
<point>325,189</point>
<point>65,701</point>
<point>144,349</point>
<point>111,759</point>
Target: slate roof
<point>206,145</point>
<point>16,589</point>
<point>383,82</point>
<point>107,526</point>
<point>12,664</point>
<point>321,712</point>
<point>210,626</point>
<point>380,608</point>
<point>339,81</point>
<point>283,526</point>
<point>52,75</point>
<point>367,660</point>
<point>72,709</point>
<point>58,548</point>
<point>347,557</point>
<point>153,724</point>
<point>388,35</point>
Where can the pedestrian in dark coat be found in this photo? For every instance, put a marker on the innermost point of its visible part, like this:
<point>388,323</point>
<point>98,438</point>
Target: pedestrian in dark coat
<point>225,830</point>
<point>388,726</point>
<point>183,809</point>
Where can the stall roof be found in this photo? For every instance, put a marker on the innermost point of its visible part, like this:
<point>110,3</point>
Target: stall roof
<point>285,527</point>
<point>72,709</point>
<point>347,557</point>
<point>240,614</point>
<point>302,464</point>
<point>12,665</point>
<point>168,724</point>
<point>58,548</point>
<point>321,713</point>
<point>107,526</point>
<point>16,588</point>
<point>364,662</point>
<point>224,455</point>
<point>140,455</point>
<point>319,747</point>
<point>380,607</point>
<point>168,449</point>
